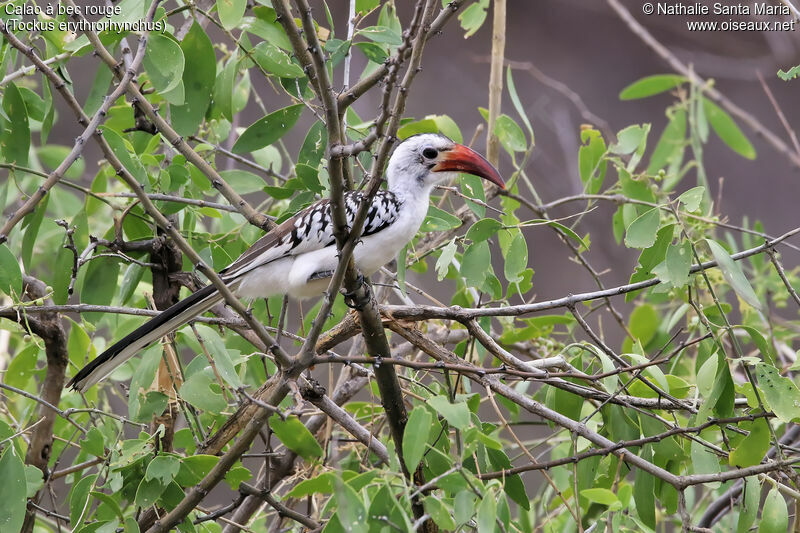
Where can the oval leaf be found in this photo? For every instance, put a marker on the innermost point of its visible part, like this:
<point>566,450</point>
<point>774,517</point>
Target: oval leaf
<point>727,130</point>
<point>163,62</point>
<point>733,274</point>
<point>650,86</point>
<point>415,436</point>
<point>774,516</point>
<point>295,436</point>
<point>10,273</point>
<point>198,81</point>
<point>267,130</point>
<point>12,490</point>
<point>643,230</point>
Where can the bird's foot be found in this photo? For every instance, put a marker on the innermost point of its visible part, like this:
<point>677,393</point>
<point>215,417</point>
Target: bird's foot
<point>357,299</point>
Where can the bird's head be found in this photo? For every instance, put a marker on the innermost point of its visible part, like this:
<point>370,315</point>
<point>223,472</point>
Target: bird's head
<point>422,161</point>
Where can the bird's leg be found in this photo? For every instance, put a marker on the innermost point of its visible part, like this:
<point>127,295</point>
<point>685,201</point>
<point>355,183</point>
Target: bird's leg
<point>322,274</point>
<point>352,299</point>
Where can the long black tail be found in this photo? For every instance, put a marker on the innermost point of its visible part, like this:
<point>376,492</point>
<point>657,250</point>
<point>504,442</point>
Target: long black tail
<point>152,330</point>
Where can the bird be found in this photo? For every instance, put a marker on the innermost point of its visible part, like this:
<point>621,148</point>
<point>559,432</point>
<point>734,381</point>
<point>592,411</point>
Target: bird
<point>299,256</point>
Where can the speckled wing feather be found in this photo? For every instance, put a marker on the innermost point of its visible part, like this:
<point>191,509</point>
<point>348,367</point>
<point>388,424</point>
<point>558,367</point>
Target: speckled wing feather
<point>312,229</point>
<point>307,231</point>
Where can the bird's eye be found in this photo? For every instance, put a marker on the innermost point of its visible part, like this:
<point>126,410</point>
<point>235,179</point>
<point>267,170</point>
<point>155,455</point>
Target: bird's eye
<point>429,153</point>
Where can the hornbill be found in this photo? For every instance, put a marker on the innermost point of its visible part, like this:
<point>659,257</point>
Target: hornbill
<point>298,257</point>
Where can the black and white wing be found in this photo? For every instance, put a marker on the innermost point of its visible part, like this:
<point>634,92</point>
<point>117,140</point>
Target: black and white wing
<point>307,231</point>
<point>312,229</point>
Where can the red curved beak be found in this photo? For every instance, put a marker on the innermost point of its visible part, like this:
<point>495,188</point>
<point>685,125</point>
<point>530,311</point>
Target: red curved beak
<point>463,159</point>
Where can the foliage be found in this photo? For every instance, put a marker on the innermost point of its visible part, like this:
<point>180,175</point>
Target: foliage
<point>700,386</point>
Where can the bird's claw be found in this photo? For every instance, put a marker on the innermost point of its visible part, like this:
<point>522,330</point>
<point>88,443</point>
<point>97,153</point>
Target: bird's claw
<point>355,301</point>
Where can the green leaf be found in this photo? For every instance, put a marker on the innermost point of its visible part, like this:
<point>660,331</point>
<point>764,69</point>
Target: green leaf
<point>487,513</point>
<point>426,125</point>
<point>671,143</point>
<point>476,263</point>
<point>753,447</point>
<point>727,130</point>
<point>224,86</point>
<point>124,152</point>
<point>164,468</point>
<point>591,160</point>
<point>675,267</point>
<point>152,404</point>
<point>230,12</point>
<point>322,484</point>
<point>692,198</point>
<point>350,509</point>
<point>631,139</point>
<point>148,492</point>
<point>439,512</point>
<point>644,495</point>
<point>707,375</point>
<point>733,274</point>
<point>445,259</point>
<point>219,353</point>
<point>365,6</point>
<point>242,181</point>
<point>194,468</point>
<point>464,506</point>
<point>79,497</point>
<point>512,92</point>
<point>34,480</point>
<point>93,442</point>
<point>415,440</point>
<point>13,490</point>
<point>295,436</point>
<point>32,223</point>
<point>439,220</point>
<point>381,34</point>
<point>374,52</point>
<point>791,74</point>
<point>267,27</point>
<point>516,260</point>
<point>749,504</point>
<point>53,154</point>
<point>130,280</point>
<point>641,233</point>
<point>473,16</point>
<point>766,349</point>
<point>198,81</point>
<point>651,85</point>
<point>456,414</point>
<point>779,392</point>
<point>275,61</point>
<point>164,63</point>
<point>10,273</point>
<point>197,391</point>
<point>704,460</point>
<point>643,323</point>
<point>109,502</point>
<point>15,138</point>
<point>313,149</point>
<point>483,229</point>
<point>601,496</point>
<point>447,126</point>
<point>236,476</point>
<point>774,515</point>
<point>510,134</point>
<point>100,284</point>
<point>268,129</point>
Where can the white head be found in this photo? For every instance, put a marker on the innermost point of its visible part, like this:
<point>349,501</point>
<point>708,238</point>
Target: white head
<point>422,161</point>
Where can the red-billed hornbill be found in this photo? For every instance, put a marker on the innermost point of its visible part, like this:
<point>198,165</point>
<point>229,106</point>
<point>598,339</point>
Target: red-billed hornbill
<point>299,256</point>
